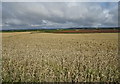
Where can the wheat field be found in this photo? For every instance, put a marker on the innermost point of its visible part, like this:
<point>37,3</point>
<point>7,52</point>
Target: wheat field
<point>48,57</point>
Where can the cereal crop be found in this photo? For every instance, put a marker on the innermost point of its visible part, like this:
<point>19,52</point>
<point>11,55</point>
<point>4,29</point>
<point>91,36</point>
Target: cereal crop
<point>48,57</point>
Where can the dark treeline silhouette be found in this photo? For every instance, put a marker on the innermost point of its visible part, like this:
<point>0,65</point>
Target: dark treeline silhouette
<point>69,30</point>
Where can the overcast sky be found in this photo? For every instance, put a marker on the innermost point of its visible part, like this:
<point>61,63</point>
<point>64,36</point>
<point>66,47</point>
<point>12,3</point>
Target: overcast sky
<point>16,15</point>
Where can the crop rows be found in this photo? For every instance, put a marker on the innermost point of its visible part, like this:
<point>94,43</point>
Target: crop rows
<point>60,58</point>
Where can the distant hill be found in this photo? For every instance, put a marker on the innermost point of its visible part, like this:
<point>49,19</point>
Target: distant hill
<point>70,30</point>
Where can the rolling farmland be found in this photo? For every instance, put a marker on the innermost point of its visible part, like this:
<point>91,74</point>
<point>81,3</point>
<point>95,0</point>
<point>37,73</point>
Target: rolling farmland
<point>48,57</point>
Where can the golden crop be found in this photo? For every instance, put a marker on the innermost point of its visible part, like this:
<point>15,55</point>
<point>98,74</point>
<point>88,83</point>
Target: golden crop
<point>44,57</point>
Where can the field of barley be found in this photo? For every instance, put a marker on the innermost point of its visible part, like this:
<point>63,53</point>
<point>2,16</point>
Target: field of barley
<point>48,57</point>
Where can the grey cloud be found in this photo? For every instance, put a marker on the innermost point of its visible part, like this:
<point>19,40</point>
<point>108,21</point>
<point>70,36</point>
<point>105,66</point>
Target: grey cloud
<point>59,14</point>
